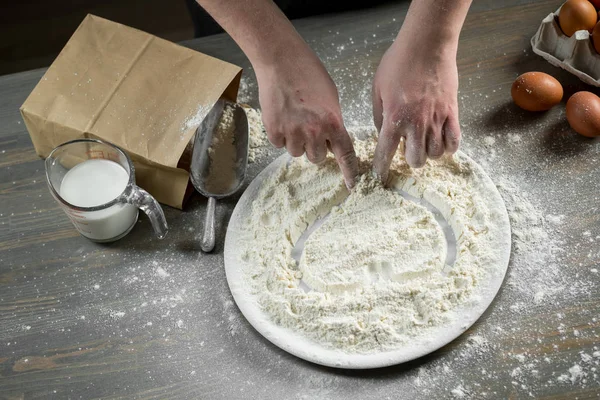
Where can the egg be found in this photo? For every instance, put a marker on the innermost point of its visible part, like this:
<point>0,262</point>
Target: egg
<point>577,15</point>
<point>596,37</point>
<point>583,113</point>
<point>536,91</point>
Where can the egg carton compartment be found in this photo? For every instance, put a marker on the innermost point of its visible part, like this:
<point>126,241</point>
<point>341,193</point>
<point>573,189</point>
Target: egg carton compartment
<point>575,54</point>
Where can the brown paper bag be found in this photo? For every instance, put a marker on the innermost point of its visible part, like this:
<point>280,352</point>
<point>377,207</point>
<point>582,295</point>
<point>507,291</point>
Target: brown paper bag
<point>141,93</point>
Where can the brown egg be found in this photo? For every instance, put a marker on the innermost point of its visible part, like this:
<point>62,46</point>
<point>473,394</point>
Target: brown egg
<point>596,37</point>
<point>577,15</point>
<point>536,91</point>
<point>583,113</point>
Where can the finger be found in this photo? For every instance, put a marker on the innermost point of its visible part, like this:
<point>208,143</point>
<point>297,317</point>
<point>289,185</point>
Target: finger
<point>415,146</point>
<point>276,139</point>
<point>377,109</point>
<point>316,151</point>
<point>387,144</point>
<point>342,148</point>
<point>435,143</point>
<point>451,134</point>
<point>295,145</point>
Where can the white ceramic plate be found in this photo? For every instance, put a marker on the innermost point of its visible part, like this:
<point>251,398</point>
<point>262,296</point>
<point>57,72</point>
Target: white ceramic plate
<point>293,342</point>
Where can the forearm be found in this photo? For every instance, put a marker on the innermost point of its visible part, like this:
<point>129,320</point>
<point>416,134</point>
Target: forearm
<point>437,21</point>
<point>258,27</point>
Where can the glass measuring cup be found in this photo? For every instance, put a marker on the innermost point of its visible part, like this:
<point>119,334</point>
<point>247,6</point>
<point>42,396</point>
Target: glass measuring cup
<point>114,218</point>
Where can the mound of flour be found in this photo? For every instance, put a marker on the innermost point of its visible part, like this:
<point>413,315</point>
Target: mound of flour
<point>368,296</point>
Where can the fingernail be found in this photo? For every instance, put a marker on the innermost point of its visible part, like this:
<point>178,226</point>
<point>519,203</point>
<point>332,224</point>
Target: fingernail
<point>350,185</point>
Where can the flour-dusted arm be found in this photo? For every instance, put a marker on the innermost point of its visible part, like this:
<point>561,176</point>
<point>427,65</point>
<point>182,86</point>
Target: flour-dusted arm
<point>299,100</point>
<point>416,84</point>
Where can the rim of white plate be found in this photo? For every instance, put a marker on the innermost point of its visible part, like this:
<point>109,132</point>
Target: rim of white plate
<point>294,342</point>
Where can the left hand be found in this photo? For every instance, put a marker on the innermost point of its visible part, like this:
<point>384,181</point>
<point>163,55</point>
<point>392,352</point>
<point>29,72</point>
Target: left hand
<point>301,110</point>
<point>415,97</point>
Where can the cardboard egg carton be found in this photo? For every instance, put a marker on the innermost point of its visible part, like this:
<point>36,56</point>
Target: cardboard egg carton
<point>575,54</point>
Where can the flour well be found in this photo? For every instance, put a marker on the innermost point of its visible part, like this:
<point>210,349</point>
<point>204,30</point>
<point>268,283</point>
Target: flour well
<point>361,302</point>
<point>399,239</point>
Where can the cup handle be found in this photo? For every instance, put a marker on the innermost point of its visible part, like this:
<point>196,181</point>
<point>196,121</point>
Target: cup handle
<point>208,239</point>
<point>148,204</point>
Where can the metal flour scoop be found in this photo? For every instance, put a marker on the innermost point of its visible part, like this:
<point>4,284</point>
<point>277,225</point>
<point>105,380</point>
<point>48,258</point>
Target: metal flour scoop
<point>211,161</point>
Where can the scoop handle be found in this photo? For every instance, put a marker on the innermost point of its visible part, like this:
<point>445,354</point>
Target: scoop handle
<point>208,239</point>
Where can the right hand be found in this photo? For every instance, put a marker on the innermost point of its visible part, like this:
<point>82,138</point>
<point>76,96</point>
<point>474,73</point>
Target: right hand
<point>301,110</point>
<point>415,98</point>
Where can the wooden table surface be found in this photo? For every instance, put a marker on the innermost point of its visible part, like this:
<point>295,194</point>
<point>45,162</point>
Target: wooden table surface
<point>143,318</point>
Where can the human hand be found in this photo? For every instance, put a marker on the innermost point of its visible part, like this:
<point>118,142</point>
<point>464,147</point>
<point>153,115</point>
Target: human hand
<point>301,110</point>
<point>299,101</point>
<point>415,97</point>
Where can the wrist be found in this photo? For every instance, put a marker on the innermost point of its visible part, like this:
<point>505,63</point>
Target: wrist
<point>438,44</point>
<point>446,16</point>
<point>282,53</point>
<point>290,63</point>
<point>423,53</point>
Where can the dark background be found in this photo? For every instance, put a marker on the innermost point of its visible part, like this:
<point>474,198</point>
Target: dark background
<point>32,32</point>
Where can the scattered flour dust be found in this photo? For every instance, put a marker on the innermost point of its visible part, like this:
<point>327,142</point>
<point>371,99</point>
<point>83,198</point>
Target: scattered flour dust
<point>368,308</point>
<point>575,374</point>
<point>194,121</point>
<point>161,272</point>
<point>534,282</point>
<point>534,246</point>
<point>489,141</point>
<point>116,314</point>
<point>248,90</point>
<point>459,392</point>
<point>535,279</point>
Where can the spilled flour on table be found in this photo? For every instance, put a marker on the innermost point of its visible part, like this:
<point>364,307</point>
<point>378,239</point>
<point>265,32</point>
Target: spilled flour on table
<point>525,332</point>
<point>535,279</point>
<point>531,335</point>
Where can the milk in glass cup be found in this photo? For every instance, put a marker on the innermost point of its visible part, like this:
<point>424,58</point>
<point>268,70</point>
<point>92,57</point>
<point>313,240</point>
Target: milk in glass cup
<point>94,183</point>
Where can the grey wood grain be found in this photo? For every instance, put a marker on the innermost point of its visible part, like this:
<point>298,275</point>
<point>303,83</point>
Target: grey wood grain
<point>143,318</point>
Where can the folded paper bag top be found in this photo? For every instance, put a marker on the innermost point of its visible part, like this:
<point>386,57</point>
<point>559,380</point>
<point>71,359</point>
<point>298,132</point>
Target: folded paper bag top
<point>142,93</point>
